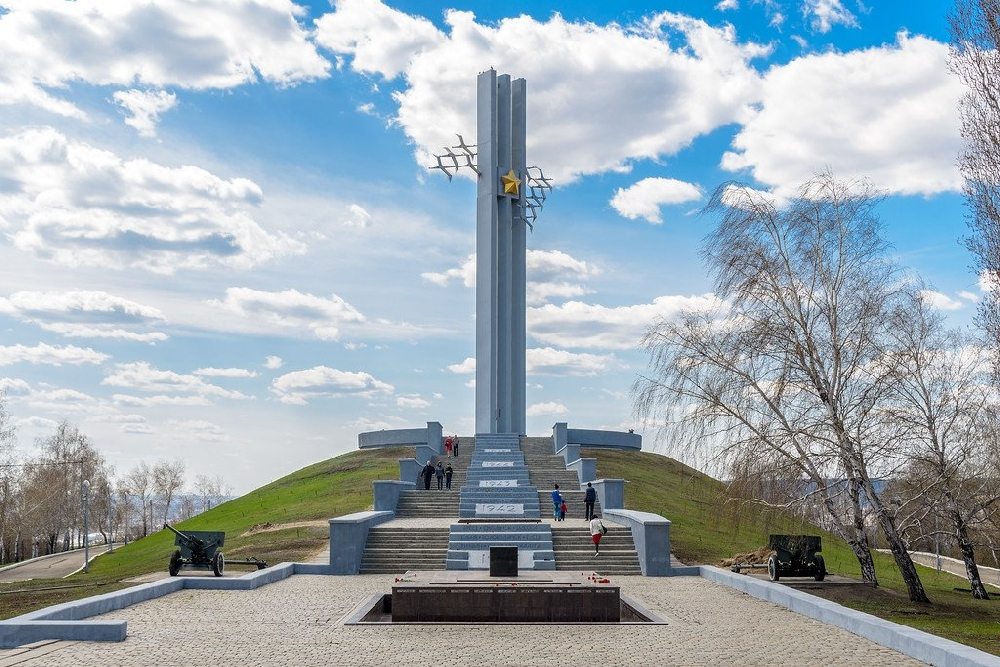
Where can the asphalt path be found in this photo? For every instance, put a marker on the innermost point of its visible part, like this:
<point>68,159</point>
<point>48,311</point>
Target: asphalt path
<point>54,566</point>
<point>989,575</point>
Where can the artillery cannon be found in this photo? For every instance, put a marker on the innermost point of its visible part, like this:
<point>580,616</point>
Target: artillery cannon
<point>795,556</point>
<point>199,550</point>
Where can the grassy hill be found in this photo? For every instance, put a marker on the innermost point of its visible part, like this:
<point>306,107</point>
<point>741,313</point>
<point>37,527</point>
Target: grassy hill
<point>285,521</point>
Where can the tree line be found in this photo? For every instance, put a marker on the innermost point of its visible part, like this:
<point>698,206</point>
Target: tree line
<point>43,496</point>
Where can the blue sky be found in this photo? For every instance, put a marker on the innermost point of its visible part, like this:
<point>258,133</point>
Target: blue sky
<point>219,239</point>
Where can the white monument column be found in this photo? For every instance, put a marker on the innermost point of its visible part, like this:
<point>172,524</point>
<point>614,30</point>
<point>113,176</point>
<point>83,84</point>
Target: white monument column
<point>500,262</point>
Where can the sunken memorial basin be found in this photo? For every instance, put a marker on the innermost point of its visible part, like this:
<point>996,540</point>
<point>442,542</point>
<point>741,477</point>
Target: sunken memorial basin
<point>472,596</point>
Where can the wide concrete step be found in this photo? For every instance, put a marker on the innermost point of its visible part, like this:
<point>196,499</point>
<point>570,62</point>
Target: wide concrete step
<point>574,550</point>
<point>398,549</point>
<point>401,568</point>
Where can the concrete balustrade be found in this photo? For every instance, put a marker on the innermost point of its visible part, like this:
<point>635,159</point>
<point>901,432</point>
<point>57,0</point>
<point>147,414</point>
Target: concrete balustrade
<point>431,437</point>
<point>387,493</point>
<point>562,436</point>
<point>348,535</point>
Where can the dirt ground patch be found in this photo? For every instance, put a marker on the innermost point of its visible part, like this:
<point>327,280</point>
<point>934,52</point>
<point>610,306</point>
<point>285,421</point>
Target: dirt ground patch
<point>755,557</point>
<point>271,527</point>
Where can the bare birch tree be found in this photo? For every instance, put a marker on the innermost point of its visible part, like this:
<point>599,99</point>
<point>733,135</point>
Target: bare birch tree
<point>940,406</point>
<point>783,368</point>
<point>138,486</point>
<point>210,491</point>
<point>975,58</point>
<point>168,478</point>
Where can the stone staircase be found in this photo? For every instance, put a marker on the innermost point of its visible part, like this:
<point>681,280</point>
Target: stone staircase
<point>547,469</point>
<point>434,503</point>
<point>514,484</point>
<point>498,482</point>
<point>396,550</point>
<point>574,550</point>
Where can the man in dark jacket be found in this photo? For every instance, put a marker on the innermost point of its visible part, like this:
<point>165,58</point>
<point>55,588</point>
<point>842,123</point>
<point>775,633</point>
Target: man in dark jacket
<point>588,501</point>
<point>427,473</point>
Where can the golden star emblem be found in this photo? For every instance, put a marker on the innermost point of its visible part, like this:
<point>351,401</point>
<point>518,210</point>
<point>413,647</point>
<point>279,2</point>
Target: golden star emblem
<point>511,183</point>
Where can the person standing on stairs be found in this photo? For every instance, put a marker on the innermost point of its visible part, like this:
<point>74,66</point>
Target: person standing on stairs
<point>427,472</point>
<point>597,531</point>
<point>588,501</point>
<point>447,446</point>
<point>439,471</point>
<point>556,501</point>
<point>448,472</point>
<point>454,444</point>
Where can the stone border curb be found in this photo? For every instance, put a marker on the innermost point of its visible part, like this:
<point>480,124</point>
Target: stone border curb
<point>917,644</point>
<point>66,621</point>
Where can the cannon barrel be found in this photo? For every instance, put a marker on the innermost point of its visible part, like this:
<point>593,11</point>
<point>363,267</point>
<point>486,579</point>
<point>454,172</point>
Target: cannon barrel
<point>186,538</point>
<point>203,544</point>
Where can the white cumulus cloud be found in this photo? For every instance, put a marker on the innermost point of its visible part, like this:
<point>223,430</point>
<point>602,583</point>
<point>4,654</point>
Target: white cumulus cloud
<point>86,314</point>
<point>549,361</point>
<point>225,372</point>
<point>172,388</point>
<point>644,198</point>
<point>889,113</point>
<point>299,387</point>
<point>550,409</point>
<point>581,325</point>
<point>551,274</point>
<point>143,108</point>
<point>75,204</point>
<point>291,309</point>
<point>941,301</point>
<point>50,355</point>
<point>357,216</point>
<point>196,44</point>
<point>415,402</point>
<point>664,80</point>
<point>822,15</point>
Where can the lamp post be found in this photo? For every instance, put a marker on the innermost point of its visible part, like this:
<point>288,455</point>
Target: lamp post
<point>125,514</point>
<point>86,527</point>
<point>937,544</point>
<point>111,527</point>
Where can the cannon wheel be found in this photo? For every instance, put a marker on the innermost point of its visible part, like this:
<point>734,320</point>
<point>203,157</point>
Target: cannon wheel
<point>773,568</point>
<point>218,564</point>
<point>820,567</point>
<point>175,563</point>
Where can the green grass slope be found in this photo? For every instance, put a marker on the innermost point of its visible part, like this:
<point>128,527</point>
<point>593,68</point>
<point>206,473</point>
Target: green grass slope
<point>286,521</point>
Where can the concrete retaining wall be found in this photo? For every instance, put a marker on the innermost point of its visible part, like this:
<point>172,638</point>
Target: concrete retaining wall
<point>348,535</point>
<point>651,534</point>
<point>430,436</point>
<point>611,493</point>
<point>387,493</point>
<point>586,469</point>
<point>562,436</point>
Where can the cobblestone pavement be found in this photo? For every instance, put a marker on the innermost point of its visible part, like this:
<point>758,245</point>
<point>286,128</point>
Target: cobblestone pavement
<point>300,621</point>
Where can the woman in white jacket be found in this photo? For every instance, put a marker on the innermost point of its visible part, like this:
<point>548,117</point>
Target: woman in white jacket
<point>597,531</point>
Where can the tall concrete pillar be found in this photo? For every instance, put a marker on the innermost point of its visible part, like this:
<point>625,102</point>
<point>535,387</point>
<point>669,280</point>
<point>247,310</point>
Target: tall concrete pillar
<point>501,255</point>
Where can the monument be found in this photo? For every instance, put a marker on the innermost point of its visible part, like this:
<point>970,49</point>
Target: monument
<point>508,197</point>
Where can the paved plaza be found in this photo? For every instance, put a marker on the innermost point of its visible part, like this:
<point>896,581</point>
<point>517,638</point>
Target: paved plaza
<point>300,621</point>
